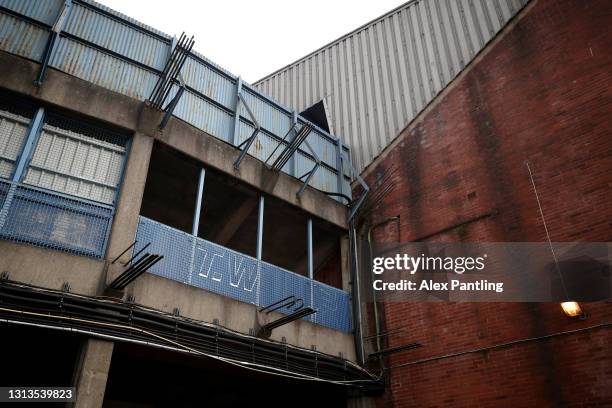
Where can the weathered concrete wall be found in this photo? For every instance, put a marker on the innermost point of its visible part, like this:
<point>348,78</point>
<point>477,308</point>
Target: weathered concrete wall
<point>50,269</point>
<point>83,97</point>
<point>165,294</point>
<point>540,92</point>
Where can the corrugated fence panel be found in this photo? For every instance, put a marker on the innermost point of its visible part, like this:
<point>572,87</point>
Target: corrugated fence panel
<point>205,115</point>
<point>22,38</point>
<point>103,69</point>
<point>109,49</point>
<point>76,164</point>
<point>45,11</point>
<point>110,33</point>
<point>207,81</point>
<point>379,77</point>
<point>269,116</point>
<point>13,129</point>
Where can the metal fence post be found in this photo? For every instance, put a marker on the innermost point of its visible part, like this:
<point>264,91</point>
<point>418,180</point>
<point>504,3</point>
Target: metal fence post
<point>236,134</point>
<point>310,265</point>
<point>22,161</point>
<point>340,166</point>
<point>196,222</point>
<point>293,165</point>
<point>260,219</point>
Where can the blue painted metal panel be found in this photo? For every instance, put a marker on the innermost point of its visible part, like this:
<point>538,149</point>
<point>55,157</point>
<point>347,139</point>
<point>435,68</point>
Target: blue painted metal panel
<point>22,38</point>
<point>278,283</point>
<point>204,115</point>
<point>200,263</point>
<point>269,117</point>
<point>103,69</point>
<point>51,220</point>
<point>110,33</point>
<point>4,187</point>
<point>45,11</point>
<point>333,307</point>
<point>209,82</point>
<point>126,58</point>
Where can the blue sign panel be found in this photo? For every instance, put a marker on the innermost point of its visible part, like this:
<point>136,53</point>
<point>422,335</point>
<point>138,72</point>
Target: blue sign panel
<point>209,266</point>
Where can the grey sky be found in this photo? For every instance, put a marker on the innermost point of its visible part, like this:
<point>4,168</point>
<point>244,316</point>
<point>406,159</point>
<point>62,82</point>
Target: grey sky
<point>255,38</point>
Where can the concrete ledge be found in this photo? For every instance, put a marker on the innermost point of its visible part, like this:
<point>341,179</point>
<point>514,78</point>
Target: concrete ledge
<point>165,294</point>
<point>78,95</point>
<point>50,268</point>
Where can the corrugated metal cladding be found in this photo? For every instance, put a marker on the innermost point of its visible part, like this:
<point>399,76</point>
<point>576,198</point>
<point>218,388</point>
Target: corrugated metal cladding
<point>377,78</point>
<point>109,49</point>
<point>13,129</point>
<point>76,164</point>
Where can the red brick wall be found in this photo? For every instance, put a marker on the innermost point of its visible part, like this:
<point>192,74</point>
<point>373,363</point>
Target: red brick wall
<point>542,92</point>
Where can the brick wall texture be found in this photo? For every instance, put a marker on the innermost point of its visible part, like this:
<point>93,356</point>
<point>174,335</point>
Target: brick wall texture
<point>542,93</point>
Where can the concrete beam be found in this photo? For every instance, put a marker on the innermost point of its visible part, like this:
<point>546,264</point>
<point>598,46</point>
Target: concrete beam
<point>195,303</point>
<point>322,252</point>
<point>51,268</point>
<point>220,155</point>
<point>100,103</point>
<point>344,264</point>
<point>92,373</point>
<point>236,219</point>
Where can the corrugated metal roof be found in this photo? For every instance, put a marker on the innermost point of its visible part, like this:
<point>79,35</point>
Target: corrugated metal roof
<point>380,76</point>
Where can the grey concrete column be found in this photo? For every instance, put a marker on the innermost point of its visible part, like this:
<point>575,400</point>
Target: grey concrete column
<point>127,211</point>
<point>92,373</point>
<point>344,263</point>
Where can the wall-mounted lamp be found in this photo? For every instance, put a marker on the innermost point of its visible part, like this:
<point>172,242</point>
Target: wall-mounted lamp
<point>572,309</point>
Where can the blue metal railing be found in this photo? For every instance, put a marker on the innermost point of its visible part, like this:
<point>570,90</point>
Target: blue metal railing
<point>104,47</point>
<point>197,262</point>
<point>52,220</point>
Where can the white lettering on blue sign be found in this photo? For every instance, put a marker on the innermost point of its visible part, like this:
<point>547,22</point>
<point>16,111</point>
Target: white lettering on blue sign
<point>207,264</point>
<point>239,268</point>
<point>238,272</point>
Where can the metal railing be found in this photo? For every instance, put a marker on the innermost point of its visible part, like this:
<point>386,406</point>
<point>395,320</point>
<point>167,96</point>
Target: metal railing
<point>130,58</point>
<point>53,220</point>
<point>200,263</point>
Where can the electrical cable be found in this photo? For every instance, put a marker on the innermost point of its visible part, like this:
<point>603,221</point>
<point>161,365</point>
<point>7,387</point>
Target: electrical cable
<point>243,364</point>
<point>113,302</point>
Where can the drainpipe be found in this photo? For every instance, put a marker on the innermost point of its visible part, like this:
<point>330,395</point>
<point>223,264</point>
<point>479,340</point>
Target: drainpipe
<point>356,298</point>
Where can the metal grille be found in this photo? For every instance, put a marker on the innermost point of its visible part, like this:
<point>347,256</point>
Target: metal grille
<point>51,220</point>
<point>77,159</point>
<point>209,266</point>
<point>13,130</point>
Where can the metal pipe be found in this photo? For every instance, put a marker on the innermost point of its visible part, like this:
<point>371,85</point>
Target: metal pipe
<point>236,134</point>
<point>198,209</point>
<point>21,163</point>
<point>309,241</point>
<point>310,263</point>
<point>356,297</point>
<point>124,251</point>
<point>260,219</point>
<point>137,253</point>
